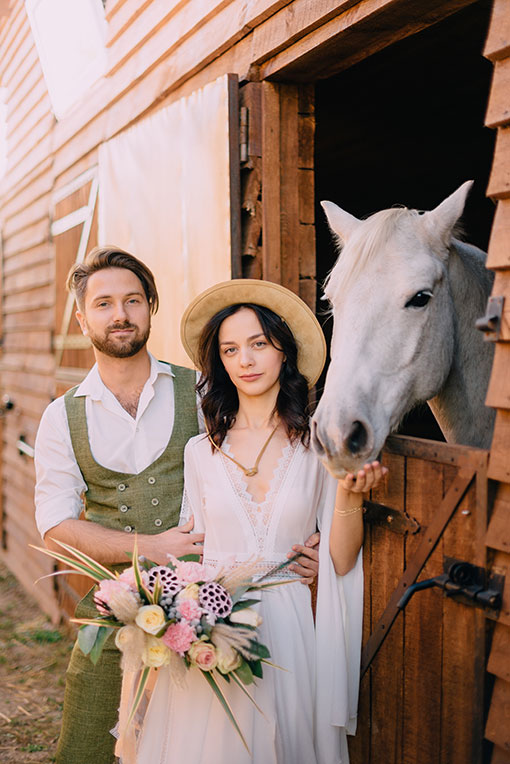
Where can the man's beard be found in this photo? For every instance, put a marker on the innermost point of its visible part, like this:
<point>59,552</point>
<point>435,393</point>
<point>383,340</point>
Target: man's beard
<point>125,348</point>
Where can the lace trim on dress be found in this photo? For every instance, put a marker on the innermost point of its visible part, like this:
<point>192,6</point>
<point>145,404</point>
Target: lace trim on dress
<point>258,514</point>
<point>261,568</point>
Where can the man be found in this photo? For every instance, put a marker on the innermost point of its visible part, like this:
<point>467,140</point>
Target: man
<point>119,438</point>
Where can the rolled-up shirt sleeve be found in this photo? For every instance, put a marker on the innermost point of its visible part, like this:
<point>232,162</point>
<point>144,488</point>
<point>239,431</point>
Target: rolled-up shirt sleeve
<point>59,482</point>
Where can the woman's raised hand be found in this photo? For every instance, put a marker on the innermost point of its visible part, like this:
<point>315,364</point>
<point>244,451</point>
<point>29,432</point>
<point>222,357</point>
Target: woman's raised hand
<point>365,479</point>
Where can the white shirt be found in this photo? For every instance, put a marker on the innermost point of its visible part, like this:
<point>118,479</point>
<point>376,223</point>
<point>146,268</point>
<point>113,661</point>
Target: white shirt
<point>118,441</point>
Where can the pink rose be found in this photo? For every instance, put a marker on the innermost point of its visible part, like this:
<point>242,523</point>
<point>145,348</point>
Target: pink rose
<point>128,577</point>
<point>203,655</point>
<point>179,636</point>
<point>189,609</point>
<point>192,572</point>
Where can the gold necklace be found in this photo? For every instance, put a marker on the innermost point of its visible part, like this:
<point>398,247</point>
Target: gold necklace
<point>248,471</point>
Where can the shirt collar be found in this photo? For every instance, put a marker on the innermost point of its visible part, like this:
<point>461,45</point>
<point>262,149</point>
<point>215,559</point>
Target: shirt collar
<point>94,387</point>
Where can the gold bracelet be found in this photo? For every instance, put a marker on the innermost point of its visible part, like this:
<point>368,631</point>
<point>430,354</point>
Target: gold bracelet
<point>350,511</point>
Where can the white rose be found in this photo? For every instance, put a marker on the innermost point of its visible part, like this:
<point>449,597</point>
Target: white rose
<point>151,618</point>
<point>155,653</point>
<point>228,661</point>
<point>247,616</point>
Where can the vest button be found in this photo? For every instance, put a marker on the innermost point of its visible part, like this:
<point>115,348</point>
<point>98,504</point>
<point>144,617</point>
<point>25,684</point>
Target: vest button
<point>154,502</point>
<point>158,522</point>
<point>123,508</point>
<point>128,529</point>
<point>121,487</point>
<point>151,480</point>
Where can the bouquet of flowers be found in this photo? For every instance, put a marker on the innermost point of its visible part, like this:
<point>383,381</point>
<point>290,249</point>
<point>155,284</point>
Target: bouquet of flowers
<point>183,614</point>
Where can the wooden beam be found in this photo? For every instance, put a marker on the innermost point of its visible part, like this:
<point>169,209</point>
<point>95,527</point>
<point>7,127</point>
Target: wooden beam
<point>271,264</point>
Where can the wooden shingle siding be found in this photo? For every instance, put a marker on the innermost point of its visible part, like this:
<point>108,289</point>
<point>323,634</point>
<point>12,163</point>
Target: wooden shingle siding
<point>497,49</point>
<point>28,292</point>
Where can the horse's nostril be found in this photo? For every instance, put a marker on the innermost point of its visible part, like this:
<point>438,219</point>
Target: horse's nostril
<point>357,438</point>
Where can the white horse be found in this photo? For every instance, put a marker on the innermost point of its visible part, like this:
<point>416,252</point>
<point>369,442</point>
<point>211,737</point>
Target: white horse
<point>404,296</point>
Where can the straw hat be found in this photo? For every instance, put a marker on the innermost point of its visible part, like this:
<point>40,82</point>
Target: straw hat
<point>296,314</point>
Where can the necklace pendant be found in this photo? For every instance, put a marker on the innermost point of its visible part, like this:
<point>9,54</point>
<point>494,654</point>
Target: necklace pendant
<point>251,472</point>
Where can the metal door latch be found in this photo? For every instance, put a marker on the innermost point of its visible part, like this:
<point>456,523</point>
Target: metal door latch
<point>464,581</point>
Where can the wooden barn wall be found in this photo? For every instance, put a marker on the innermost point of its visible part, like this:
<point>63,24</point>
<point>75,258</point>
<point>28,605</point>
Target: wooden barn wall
<point>498,534</point>
<point>28,291</point>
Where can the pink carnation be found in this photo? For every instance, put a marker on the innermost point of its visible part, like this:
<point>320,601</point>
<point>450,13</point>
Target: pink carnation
<point>179,636</point>
<point>192,572</point>
<point>108,588</point>
<point>189,609</point>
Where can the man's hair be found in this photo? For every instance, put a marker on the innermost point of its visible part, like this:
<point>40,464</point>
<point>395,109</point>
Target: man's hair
<point>110,257</point>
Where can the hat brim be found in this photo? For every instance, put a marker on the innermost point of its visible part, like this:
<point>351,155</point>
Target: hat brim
<point>296,314</point>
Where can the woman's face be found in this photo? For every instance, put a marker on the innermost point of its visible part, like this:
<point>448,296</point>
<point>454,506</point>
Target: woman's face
<point>251,362</point>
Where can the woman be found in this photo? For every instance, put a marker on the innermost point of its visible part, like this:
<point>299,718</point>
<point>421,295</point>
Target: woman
<point>254,487</point>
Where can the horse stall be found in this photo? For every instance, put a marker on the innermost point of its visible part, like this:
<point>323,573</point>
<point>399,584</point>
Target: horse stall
<point>246,116</point>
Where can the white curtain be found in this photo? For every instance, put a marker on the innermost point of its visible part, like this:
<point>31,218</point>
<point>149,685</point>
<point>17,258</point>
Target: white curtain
<point>164,195</point>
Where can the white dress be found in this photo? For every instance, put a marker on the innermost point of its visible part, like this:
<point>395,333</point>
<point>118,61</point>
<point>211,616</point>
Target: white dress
<point>309,706</point>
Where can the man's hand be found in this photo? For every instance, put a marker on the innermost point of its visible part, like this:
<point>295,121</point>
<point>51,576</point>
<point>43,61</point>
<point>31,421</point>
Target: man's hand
<point>178,541</point>
<point>307,564</point>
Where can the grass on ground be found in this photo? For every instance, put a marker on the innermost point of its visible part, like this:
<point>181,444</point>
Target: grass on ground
<point>33,659</point>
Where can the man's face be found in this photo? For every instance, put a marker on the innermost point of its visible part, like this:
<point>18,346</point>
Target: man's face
<point>115,313</point>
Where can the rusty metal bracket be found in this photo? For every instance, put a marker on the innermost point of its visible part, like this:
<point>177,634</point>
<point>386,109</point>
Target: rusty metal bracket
<point>464,582</point>
<point>491,322</point>
<point>391,519</point>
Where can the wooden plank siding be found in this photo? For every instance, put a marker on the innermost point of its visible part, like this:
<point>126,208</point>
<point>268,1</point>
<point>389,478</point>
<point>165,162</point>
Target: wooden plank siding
<point>27,372</point>
<point>497,49</point>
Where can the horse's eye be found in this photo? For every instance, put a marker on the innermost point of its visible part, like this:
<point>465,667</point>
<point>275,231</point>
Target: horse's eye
<point>419,300</point>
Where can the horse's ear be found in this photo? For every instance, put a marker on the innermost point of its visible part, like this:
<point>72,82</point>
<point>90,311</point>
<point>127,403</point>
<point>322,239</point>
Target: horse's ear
<point>341,223</point>
<point>441,220</point>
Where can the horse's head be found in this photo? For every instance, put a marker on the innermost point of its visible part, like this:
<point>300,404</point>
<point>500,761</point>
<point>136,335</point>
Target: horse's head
<point>394,326</point>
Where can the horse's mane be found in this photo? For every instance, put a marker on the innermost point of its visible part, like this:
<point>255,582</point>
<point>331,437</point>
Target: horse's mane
<point>362,247</point>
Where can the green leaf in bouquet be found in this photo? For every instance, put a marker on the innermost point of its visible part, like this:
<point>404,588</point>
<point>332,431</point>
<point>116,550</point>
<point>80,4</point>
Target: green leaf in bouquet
<point>87,636</point>
<point>139,693</point>
<point>256,668</point>
<point>244,673</point>
<point>142,590</point>
<point>240,592</point>
<point>160,633</point>
<point>277,569</point>
<point>157,591</point>
<point>257,648</point>
<point>189,558</point>
<point>83,568</point>
<point>242,604</point>
<point>243,688</point>
<point>225,704</point>
<point>101,571</point>
<point>99,621</point>
<point>97,648</point>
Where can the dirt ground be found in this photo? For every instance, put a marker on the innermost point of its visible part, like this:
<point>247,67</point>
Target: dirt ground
<point>33,659</point>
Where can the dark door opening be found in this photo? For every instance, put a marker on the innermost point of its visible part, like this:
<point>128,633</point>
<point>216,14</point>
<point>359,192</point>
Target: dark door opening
<point>406,126</point>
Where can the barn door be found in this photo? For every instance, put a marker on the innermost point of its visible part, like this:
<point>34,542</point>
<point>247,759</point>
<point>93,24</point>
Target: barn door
<point>422,698</point>
<point>74,231</point>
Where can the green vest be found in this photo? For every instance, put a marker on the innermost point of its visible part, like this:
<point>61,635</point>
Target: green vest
<point>150,501</point>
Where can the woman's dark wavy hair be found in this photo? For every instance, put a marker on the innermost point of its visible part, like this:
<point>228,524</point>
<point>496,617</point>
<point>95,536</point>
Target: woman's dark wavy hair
<point>220,401</point>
